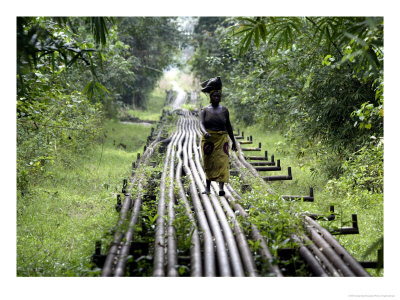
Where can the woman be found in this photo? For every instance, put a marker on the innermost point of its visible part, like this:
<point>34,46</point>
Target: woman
<point>215,126</point>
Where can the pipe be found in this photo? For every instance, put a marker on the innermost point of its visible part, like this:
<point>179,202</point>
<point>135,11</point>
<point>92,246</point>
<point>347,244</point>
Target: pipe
<point>232,246</point>
<point>227,231</point>
<point>195,254</point>
<point>159,244</point>
<point>329,252</point>
<point>262,163</point>
<point>240,158</point>
<point>223,261</point>
<point>255,234</point>
<point>247,256</point>
<point>113,251</point>
<point>309,258</point>
<point>243,244</point>
<point>339,249</point>
<point>172,257</point>
<point>209,256</point>
<point>121,263</point>
<point>324,260</point>
<point>251,149</point>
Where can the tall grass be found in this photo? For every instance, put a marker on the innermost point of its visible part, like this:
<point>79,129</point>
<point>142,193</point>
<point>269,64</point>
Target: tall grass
<point>71,207</point>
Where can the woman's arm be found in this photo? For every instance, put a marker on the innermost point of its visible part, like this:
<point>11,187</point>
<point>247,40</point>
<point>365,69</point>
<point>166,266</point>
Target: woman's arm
<point>202,128</point>
<point>230,131</point>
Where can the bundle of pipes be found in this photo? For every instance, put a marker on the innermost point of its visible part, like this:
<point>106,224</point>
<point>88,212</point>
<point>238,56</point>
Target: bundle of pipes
<point>324,255</point>
<point>241,240</point>
<point>226,251</point>
<point>335,253</point>
<point>116,257</point>
<point>219,246</point>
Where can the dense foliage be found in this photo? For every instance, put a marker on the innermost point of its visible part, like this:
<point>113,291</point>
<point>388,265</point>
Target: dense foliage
<point>319,80</point>
<point>71,72</point>
<point>152,42</point>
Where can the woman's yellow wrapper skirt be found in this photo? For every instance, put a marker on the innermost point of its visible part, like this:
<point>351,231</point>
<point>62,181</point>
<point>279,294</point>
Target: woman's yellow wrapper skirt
<point>215,152</point>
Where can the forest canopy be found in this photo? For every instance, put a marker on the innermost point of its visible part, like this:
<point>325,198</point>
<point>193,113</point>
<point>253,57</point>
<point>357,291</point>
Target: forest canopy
<point>74,71</point>
<point>318,79</point>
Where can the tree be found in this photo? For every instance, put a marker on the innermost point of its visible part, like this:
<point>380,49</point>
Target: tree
<point>153,42</point>
<point>318,79</point>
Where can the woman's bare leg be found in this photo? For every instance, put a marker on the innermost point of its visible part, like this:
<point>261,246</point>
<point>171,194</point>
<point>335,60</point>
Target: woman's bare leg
<point>208,187</point>
<point>221,189</point>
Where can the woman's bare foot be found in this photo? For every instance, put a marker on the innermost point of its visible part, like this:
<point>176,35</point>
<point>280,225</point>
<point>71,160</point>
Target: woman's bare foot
<point>206,192</point>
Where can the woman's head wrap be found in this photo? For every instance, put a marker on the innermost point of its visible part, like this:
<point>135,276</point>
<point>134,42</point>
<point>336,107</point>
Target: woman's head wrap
<point>211,85</point>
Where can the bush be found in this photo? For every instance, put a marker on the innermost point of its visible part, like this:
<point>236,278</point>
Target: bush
<point>67,122</point>
<point>362,180</point>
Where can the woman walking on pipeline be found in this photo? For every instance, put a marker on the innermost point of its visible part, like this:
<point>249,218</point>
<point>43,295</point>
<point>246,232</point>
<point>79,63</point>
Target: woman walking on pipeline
<point>216,127</point>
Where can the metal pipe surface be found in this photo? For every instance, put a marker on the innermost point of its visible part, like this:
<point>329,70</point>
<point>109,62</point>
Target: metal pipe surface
<point>329,252</point>
<point>339,249</point>
<point>247,256</point>
<point>309,258</point>
<point>209,256</point>
<point>195,253</point>
<point>223,261</point>
<point>172,255</point>
<point>114,249</point>
<point>159,244</point>
<point>227,231</point>
<point>324,260</point>
<point>255,233</point>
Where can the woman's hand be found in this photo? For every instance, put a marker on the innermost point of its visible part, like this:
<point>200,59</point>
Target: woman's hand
<point>207,135</point>
<point>234,147</point>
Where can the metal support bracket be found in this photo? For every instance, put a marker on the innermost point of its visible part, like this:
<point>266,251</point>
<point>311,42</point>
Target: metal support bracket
<point>323,217</point>
<point>277,168</point>
<point>301,198</point>
<point>275,178</point>
<point>348,230</point>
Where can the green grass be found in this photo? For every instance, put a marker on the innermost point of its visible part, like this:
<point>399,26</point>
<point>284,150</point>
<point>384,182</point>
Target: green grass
<point>153,109</point>
<point>274,143</point>
<point>369,208</point>
<point>59,221</point>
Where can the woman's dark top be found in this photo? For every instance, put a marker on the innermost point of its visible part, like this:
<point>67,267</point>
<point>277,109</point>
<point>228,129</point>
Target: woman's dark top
<point>215,119</point>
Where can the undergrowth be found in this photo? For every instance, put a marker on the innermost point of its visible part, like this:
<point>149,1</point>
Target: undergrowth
<point>72,205</point>
<point>276,220</point>
<point>357,189</point>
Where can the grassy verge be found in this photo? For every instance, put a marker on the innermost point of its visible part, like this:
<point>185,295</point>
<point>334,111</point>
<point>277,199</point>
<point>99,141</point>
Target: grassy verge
<point>154,106</point>
<point>59,221</point>
<point>368,207</point>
